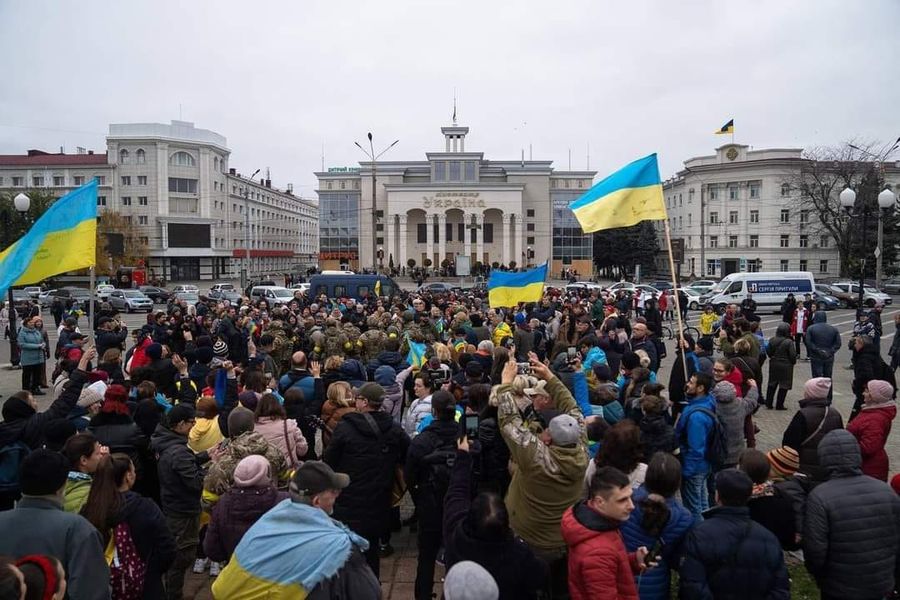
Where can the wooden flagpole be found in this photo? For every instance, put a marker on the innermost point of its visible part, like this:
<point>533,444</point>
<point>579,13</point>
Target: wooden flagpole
<point>93,286</point>
<point>675,298</point>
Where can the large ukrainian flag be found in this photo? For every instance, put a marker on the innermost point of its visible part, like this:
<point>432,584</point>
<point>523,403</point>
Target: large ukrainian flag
<point>63,239</point>
<point>625,198</point>
<point>508,289</point>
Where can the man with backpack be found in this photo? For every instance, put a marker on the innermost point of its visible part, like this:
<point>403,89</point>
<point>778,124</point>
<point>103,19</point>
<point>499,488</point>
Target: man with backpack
<point>427,474</point>
<point>301,378</point>
<point>694,429</point>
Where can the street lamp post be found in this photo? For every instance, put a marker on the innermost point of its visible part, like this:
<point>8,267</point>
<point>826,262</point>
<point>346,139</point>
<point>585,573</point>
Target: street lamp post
<point>374,157</point>
<point>22,204</point>
<point>886,201</point>
<point>848,201</point>
<point>245,272</point>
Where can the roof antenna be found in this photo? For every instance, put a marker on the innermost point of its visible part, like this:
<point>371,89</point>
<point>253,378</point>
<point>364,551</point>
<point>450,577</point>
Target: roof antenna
<point>454,107</point>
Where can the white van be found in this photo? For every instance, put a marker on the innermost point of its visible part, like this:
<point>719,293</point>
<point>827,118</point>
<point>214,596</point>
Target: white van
<point>768,289</point>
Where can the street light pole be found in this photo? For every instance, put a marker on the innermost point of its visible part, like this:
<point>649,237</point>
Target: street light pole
<point>22,204</point>
<point>886,201</point>
<point>374,158</point>
<point>245,272</point>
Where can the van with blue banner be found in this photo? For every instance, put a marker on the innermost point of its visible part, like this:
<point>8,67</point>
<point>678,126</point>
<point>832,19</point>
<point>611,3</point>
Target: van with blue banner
<point>358,287</point>
<point>769,289</point>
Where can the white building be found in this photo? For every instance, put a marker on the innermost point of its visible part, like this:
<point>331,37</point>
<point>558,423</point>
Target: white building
<point>174,183</point>
<point>734,213</point>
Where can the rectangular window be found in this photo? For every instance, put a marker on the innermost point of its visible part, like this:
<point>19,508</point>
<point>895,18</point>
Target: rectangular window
<point>754,190</point>
<point>454,170</point>
<point>183,205</point>
<point>785,215</point>
<point>144,240</point>
<point>732,241</point>
<point>679,221</point>
<point>529,213</point>
<point>59,181</point>
<point>712,266</point>
<point>754,241</point>
<point>101,200</point>
<point>436,233</point>
<point>440,171</point>
<point>470,171</point>
<point>529,227</point>
<point>785,241</point>
<point>732,192</point>
<point>448,232</point>
<point>421,233</point>
<point>783,265</point>
<point>804,216</point>
<point>126,200</point>
<point>713,192</point>
<point>460,232</point>
<point>733,217</point>
<point>529,241</point>
<point>714,218</point>
<point>18,181</point>
<point>713,241</point>
<point>752,266</point>
<point>100,179</point>
<point>803,264</point>
<point>690,218</point>
<point>142,179</point>
<point>680,203</point>
<point>823,241</point>
<point>142,200</point>
<point>142,220</point>
<point>182,185</point>
<point>78,180</point>
<point>823,266</point>
<point>804,243</point>
<point>754,216</point>
<point>126,179</point>
<point>37,181</point>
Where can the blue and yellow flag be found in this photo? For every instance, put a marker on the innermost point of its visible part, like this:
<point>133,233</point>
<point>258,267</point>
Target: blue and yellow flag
<point>726,128</point>
<point>625,198</point>
<point>63,239</point>
<point>416,356</point>
<point>508,289</point>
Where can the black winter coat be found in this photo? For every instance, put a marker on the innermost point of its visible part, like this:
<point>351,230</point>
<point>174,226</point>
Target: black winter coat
<point>110,339</point>
<point>776,513</point>
<point>390,358</point>
<point>657,435</point>
<point>515,568</point>
<point>439,435</point>
<point>180,476</point>
<point>30,429</point>
<point>806,421</point>
<point>851,535</point>
<point>121,434</point>
<point>729,555</point>
<point>370,461</point>
<point>866,365</point>
<point>235,512</point>
<point>151,536</point>
<point>495,475</point>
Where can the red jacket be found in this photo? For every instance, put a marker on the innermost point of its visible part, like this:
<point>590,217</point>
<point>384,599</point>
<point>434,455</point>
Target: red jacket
<point>871,428</point>
<point>736,378</point>
<point>599,566</point>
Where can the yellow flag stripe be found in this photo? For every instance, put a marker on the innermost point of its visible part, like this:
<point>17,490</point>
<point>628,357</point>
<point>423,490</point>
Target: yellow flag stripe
<point>511,296</point>
<point>623,208</point>
<point>61,251</point>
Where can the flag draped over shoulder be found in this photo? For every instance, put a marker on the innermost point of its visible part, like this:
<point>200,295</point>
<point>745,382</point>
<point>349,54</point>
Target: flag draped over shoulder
<point>63,239</point>
<point>508,289</point>
<point>625,198</point>
<point>726,128</point>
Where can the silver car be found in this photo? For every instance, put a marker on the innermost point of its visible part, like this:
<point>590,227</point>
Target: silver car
<point>130,300</point>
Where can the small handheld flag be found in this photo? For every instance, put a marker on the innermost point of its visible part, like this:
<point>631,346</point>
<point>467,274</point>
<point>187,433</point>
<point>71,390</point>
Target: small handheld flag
<point>726,128</point>
<point>625,198</point>
<point>508,289</point>
<point>63,239</point>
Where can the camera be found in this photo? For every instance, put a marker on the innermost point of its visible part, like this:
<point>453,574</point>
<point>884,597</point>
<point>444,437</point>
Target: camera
<point>571,354</point>
<point>523,368</point>
<point>438,376</point>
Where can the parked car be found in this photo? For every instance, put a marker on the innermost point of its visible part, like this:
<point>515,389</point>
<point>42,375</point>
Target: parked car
<point>868,292</point>
<point>577,286</point>
<point>189,298</point>
<point>22,302</point>
<point>437,287</point>
<point>702,285</point>
<point>130,300</point>
<point>45,299</point>
<point>891,286</point>
<point>662,285</point>
<point>103,290</point>
<point>157,294</point>
<point>232,296</point>
<point>274,295</point>
<point>694,296</point>
<point>221,287</point>
<point>258,283</point>
<point>303,287</point>
<point>844,299</point>
<point>33,291</point>
<point>80,295</point>
<point>825,301</point>
<point>190,289</point>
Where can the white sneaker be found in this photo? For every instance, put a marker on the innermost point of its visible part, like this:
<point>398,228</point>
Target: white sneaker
<point>200,565</point>
<point>214,569</point>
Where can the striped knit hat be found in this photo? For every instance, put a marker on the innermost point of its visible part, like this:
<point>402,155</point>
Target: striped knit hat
<point>784,461</point>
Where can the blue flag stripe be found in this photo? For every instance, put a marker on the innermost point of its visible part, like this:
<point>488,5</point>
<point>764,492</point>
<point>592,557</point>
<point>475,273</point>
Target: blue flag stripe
<point>640,173</point>
<point>504,279</point>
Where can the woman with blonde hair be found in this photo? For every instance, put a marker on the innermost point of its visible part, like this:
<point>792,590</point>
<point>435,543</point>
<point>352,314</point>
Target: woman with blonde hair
<point>338,402</point>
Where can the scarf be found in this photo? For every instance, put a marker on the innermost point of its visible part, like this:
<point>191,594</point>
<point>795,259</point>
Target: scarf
<point>767,488</point>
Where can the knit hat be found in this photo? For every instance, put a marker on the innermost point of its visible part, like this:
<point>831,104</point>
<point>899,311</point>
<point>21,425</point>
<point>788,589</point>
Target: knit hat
<point>880,391</point>
<point>816,388</point>
<point>97,375</point>
<point>204,355</point>
<point>724,392</point>
<point>253,471</point>
<point>564,430</point>
<point>630,361</point>
<point>43,472</point>
<point>240,420</point>
<point>115,400</point>
<point>15,409</point>
<point>785,461</point>
<point>248,399</point>
<point>92,394</point>
<point>385,375</point>
<point>154,351</point>
<point>180,413</point>
<point>220,349</point>
<point>467,580</point>
<point>734,487</point>
<point>372,392</point>
<point>520,319</point>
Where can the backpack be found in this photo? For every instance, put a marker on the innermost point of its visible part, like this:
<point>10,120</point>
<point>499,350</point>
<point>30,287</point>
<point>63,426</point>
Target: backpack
<point>11,456</point>
<point>884,372</point>
<point>127,570</point>
<point>437,479</point>
<point>717,441</point>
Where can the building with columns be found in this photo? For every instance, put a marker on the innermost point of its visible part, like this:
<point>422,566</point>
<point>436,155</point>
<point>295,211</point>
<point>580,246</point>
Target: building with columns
<point>454,203</point>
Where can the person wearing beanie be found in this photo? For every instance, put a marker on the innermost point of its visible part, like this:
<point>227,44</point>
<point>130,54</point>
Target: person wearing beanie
<point>784,462</point>
<point>771,503</point>
<point>368,445</point>
<point>163,371</point>
<point>89,404</point>
<point>388,379</point>
<point>728,554</point>
<point>39,525</point>
<point>251,496</point>
<point>22,423</point>
<point>180,486</point>
<point>810,424</point>
<point>850,535</point>
<point>523,338</point>
<point>872,426</point>
<point>467,580</point>
<point>115,428</point>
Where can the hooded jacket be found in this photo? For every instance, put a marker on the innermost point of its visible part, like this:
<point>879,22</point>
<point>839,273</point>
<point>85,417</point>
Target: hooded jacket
<point>599,566</point>
<point>799,434</point>
<point>871,428</point>
<point>204,434</point>
<point>865,367</point>
<point>284,435</point>
<point>851,535</point>
<point>180,476</point>
<point>692,432</point>
<point>782,355</point>
<point>21,423</point>
<point>822,340</point>
<point>235,512</point>
<point>391,358</point>
<point>371,461</point>
<point>732,410</point>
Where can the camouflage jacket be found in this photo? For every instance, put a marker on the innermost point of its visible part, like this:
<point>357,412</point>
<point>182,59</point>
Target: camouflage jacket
<point>220,476</point>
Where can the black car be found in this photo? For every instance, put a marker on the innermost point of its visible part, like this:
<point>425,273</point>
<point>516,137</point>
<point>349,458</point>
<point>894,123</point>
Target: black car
<point>157,294</point>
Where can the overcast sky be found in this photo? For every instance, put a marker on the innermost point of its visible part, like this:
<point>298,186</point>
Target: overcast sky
<point>280,79</point>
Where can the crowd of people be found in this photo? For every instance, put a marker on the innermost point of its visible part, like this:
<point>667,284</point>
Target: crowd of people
<point>275,446</point>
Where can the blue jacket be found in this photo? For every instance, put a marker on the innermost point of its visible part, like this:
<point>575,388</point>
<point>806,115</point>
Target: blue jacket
<point>730,556</point>
<point>30,341</point>
<point>595,356</point>
<point>655,583</point>
<point>692,434</point>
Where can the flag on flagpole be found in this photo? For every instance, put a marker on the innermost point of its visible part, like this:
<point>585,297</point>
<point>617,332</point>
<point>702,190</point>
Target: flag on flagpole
<point>625,198</point>
<point>508,289</point>
<point>726,128</point>
<point>63,239</point>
